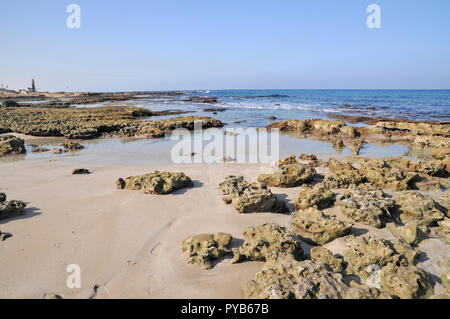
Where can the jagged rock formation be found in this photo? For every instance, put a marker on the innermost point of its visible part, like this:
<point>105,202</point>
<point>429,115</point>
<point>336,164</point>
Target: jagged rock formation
<point>287,172</point>
<point>12,208</point>
<point>205,249</point>
<point>10,144</point>
<point>156,183</point>
<point>341,175</point>
<point>366,204</point>
<point>250,197</point>
<point>319,196</point>
<point>395,263</point>
<point>417,209</point>
<point>263,240</point>
<point>318,228</point>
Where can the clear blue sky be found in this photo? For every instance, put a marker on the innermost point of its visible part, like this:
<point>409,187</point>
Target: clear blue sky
<point>197,44</point>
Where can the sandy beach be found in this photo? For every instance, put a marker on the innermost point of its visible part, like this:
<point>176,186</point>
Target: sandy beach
<point>127,243</point>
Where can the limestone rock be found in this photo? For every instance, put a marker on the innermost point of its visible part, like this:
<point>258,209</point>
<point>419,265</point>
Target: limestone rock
<point>318,196</point>
<point>56,151</point>
<point>4,236</point>
<point>366,205</point>
<point>156,183</point>
<point>12,208</point>
<point>405,282</point>
<point>287,172</point>
<point>286,278</point>
<point>341,175</point>
<point>417,209</point>
<point>444,200</point>
<point>364,251</point>
<point>251,197</point>
<point>37,149</point>
<point>444,230</point>
<point>80,171</point>
<point>203,250</point>
<point>266,239</point>
<point>72,146</point>
<point>318,228</point>
<point>323,255</point>
<point>381,174</point>
<point>306,157</point>
<point>10,144</point>
<point>410,234</point>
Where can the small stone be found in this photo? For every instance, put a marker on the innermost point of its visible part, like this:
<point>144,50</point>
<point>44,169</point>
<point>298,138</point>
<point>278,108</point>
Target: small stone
<point>56,151</point>
<point>37,149</point>
<point>80,171</point>
<point>4,236</point>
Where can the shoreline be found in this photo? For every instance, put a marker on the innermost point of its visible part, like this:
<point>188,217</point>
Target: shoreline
<point>128,243</point>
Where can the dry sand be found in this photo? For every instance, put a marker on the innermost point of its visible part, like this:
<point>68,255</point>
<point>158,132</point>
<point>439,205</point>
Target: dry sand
<point>126,242</point>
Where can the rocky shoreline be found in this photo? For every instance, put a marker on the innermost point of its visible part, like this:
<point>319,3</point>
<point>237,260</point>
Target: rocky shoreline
<point>334,200</point>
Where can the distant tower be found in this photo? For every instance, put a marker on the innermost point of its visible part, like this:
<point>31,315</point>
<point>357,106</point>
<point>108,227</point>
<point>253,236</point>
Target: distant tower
<point>33,87</point>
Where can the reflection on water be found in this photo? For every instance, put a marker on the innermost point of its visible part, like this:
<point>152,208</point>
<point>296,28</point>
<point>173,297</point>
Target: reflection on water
<point>131,151</point>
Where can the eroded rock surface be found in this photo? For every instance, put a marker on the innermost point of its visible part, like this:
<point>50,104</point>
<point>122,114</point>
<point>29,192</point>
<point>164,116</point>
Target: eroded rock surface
<point>12,208</point>
<point>10,144</point>
<point>285,278</point>
<point>323,255</point>
<point>156,183</point>
<point>4,236</point>
<point>341,175</point>
<point>381,174</point>
<point>266,239</point>
<point>319,196</point>
<point>318,228</point>
<point>365,204</point>
<point>410,234</point>
<point>72,146</point>
<point>417,209</point>
<point>287,172</point>
<point>397,274</point>
<point>203,250</point>
<point>251,197</point>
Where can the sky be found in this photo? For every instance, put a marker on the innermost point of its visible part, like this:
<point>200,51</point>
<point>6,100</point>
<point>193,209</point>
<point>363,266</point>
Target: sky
<point>234,44</point>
